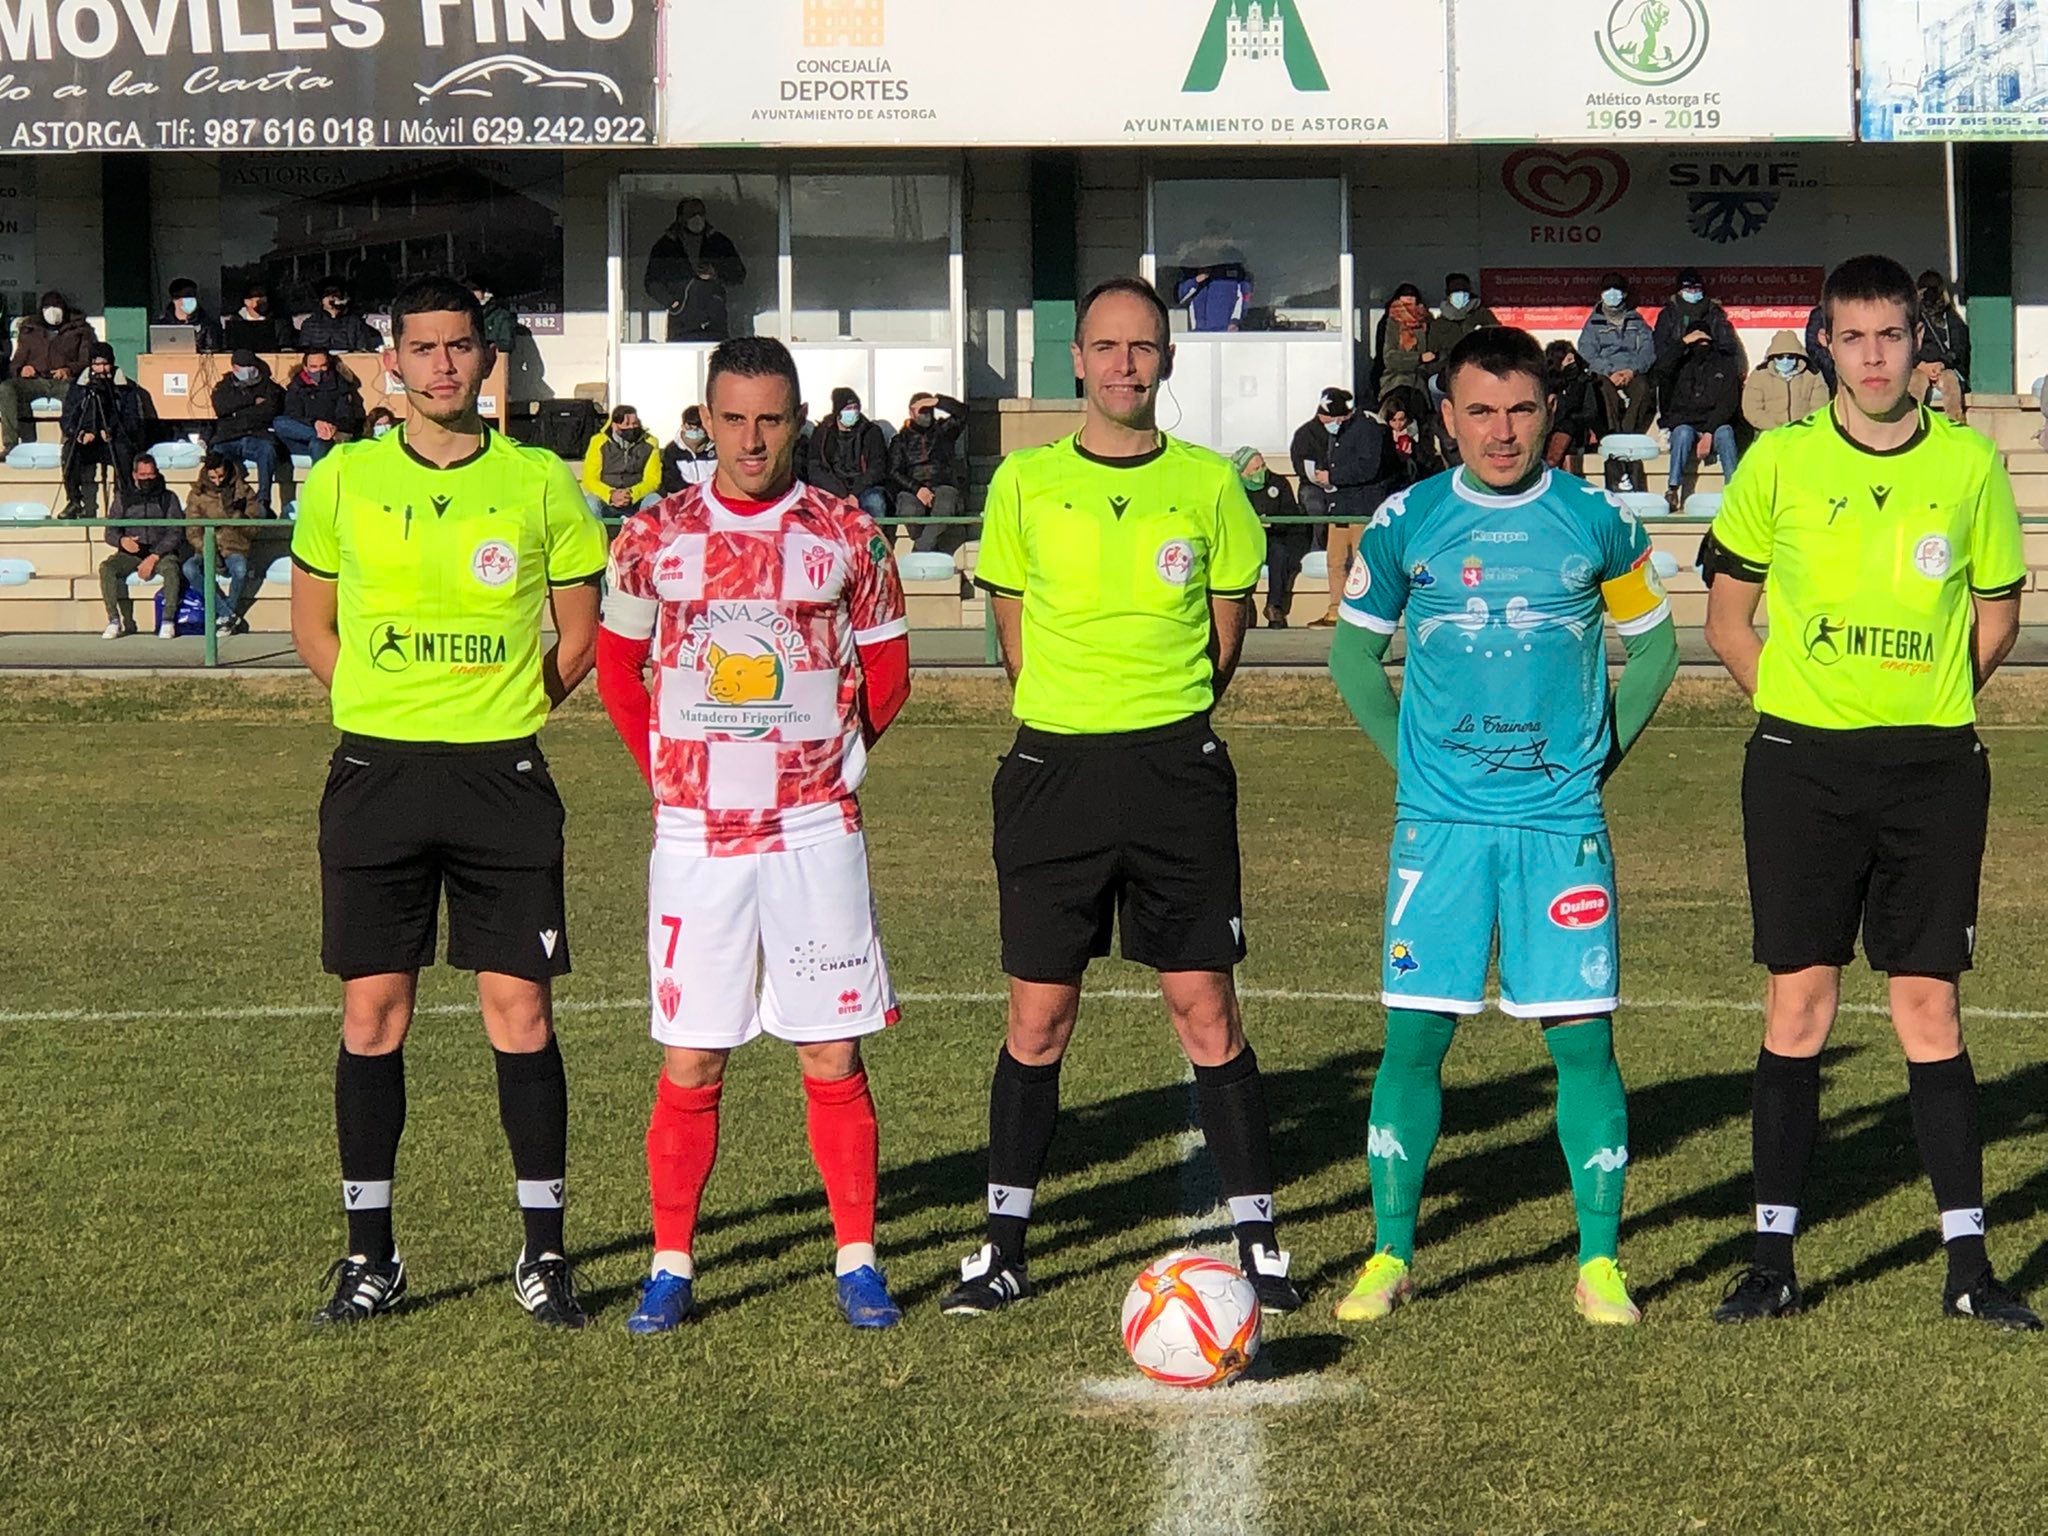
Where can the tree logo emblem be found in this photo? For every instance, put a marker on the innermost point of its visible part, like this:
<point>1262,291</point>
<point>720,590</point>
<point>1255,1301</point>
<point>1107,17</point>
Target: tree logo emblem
<point>1654,42</point>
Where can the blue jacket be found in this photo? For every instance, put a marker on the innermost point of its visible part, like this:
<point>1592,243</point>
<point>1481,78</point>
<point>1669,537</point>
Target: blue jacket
<point>1218,304</point>
<point>1608,348</point>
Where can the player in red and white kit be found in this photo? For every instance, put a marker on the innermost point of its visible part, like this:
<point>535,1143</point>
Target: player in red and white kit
<point>774,620</point>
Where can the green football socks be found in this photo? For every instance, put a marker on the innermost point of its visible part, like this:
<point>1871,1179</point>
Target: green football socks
<point>1592,1127</point>
<point>1407,1110</point>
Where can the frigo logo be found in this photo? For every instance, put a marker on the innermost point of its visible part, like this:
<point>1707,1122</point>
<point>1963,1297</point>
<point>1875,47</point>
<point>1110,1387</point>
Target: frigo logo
<point>1654,42</point>
<point>1247,31</point>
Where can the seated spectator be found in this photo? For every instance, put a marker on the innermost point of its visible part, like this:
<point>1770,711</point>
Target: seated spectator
<point>1404,353</point>
<point>379,421</point>
<point>1286,543</point>
<point>322,407</point>
<point>1461,315</point>
<point>501,322</point>
<point>848,457</point>
<point>689,458</point>
<point>246,405</point>
<point>1700,365</point>
<point>926,470</point>
<point>1216,298</point>
<point>1935,384</point>
<point>152,540</point>
<point>1946,328</point>
<point>1575,407</point>
<point>251,328</point>
<point>1406,414</point>
<point>107,421</point>
<point>334,327</point>
<point>183,308</point>
<point>1310,453</point>
<point>1785,389</point>
<point>223,491</point>
<point>1364,469</point>
<point>1621,352</point>
<point>622,466</point>
<point>50,349</point>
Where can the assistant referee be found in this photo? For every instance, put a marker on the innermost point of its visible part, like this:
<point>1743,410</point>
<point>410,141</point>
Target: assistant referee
<point>1892,549</point>
<point>427,559</point>
<point>1120,564</point>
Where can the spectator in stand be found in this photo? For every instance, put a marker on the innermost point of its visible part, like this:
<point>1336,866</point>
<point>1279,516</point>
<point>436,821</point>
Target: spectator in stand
<point>1574,409</point>
<point>379,421</point>
<point>1818,357</point>
<point>183,308</point>
<point>1406,412</point>
<point>151,540</point>
<point>692,270</point>
<point>1785,389</point>
<point>334,327</point>
<point>1403,356</point>
<point>49,352</point>
<point>1934,383</point>
<point>691,458</point>
<point>1216,298</point>
<point>107,422</point>
<point>1365,469</point>
<point>221,491</point>
<point>1310,453</point>
<point>501,322</point>
<point>848,457</point>
<point>1700,365</point>
<point>251,327</point>
<point>926,470</point>
<point>1621,352</point>
<point>1286,543</point>
<point>246,405</point>
<point>322,406</point>
<point>1461,315</point>
<point>622,466</point>
<point>1946,328</point>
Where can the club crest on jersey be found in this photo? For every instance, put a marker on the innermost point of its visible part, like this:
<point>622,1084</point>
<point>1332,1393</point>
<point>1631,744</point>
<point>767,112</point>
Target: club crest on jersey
<point>817,564</point>
<point>1474,571</point>
<point>1175,562</point>
<point>1932,556</point>
<point>1358,580</point>
<point>494,563</point>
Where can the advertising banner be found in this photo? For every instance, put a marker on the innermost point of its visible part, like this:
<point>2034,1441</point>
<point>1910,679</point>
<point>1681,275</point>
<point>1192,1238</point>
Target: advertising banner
<point>1060,72</point>
<point>1954,69</point>
<point>293,75</point>
<point>1653,71</point>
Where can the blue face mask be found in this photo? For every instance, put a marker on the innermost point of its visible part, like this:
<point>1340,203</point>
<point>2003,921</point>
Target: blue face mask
<point>187,305</point>
<point>1785,366</point>
<point>1458,298</point>
<point>692,436</point>
<point>1692,295</point>
<point>1334,426</point>
<point>1612,297</point>
<point>850,417</point>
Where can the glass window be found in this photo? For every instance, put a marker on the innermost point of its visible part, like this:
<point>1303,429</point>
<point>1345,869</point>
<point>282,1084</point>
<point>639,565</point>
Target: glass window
<point>700,257</point>
<point>1249,254</point>
<point>869,258</point>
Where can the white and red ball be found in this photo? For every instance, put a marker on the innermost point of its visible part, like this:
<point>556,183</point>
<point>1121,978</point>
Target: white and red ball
<point>1191,1321</point>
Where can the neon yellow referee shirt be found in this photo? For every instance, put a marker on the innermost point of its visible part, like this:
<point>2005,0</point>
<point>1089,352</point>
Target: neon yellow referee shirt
<point>443,578</point>
<point>1871,559</point>
<point>1115,561</point>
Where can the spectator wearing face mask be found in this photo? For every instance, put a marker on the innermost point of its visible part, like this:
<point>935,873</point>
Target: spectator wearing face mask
<point>1700,365</point>
<point>251,328</point>
<point>335,327</point>
<point>1461,315</point>
<point>182,307</point>
<point>1406,411</point>
<point>1785,389</point>
<point>222,491</point>
<point>1402,355</point>
<point>926,471</point>
<point>1574,410</point>
<point>107,422</point>
<point>1946,329</point>
<point>691,271</point>
<point>1620,351</point>
<point>622,466</point>
<point>246,405</point>
<point>501,321</point>
<point>1286,543</point>
<point>848,457</point>
<point>1934,383</point>
<point>689,458</point>
<point>50,351</point>
<point>152,541</point>
<point>322,407</point>
<point>379,421</point>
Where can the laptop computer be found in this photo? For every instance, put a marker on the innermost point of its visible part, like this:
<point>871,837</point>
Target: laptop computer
<point>173,338</point>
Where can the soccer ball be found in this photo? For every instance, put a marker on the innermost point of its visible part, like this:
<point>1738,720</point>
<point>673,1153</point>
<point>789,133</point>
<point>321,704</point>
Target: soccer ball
<point>1191,1321</point>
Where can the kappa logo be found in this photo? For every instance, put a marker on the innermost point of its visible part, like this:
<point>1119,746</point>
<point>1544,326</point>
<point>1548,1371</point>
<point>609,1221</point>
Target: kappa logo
<point>1608,1159</point>
<point>1380,1142</point>
<point>1583,906</point>
<point>1252,31</point>
<point>548,937</point>
<point>668,997</point>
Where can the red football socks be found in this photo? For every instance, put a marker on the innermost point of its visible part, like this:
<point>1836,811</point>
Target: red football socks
<point>840,1117</point>
<point>682,1144</point>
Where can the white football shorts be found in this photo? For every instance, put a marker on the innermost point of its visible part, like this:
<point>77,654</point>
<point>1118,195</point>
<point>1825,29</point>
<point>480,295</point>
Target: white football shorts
<point>785,943</point>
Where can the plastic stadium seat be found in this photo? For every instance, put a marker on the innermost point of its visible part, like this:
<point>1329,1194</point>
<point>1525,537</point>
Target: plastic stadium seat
<point>23,512</point>
<point>1664,564</point>
<point>179,455</point>
<point>45,455</point>
<point>302,461</point>
<point>1643,503</point>
<point>46,410</point>
<point>1315,565</point>
<point>1634,447</point>
<point>135,579</point>
<point>925,565</point>
<point>280,571</point>
<point>16,573</point>
<point>1703,504</point>
<point>291,510</point>
<point>22,456</point>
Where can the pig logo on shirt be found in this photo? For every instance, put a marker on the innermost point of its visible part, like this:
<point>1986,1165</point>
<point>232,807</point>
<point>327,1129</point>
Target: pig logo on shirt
<point>737,679</point>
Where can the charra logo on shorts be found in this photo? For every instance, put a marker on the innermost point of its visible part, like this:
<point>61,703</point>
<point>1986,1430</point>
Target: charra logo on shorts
<point>1251,32</point>
<point>1654,42</point>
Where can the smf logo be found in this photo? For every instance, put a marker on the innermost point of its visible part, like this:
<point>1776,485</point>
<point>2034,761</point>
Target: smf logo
<point>1653,42</point>
<point>1251,31</point>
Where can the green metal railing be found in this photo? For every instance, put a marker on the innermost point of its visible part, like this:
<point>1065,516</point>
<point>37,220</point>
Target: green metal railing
<point>209,552</point>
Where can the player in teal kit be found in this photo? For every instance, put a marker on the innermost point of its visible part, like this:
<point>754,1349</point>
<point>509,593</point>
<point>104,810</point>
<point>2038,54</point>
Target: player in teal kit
<point>1505,731</point>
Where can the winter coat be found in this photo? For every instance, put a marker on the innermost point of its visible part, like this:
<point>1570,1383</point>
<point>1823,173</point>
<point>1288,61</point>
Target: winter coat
<point>1705,392</point>
<point>1446,331</point>
<point>1950,332</point>
<point>245,410</point>
<point>683,465</point>
<point>634,465</point>
<point>1276,499</point>
<point>1577,413</point>
<point>1218,304</point>
<point>1818,358</point>
<point>848,463</point>
<point>47,348</point>
<point>1673,353</point>
<point>237,498</point>
<point>115,409</point>
<point>206,334</point>
<point>1311,446</point>
<point>1769,400</point>
<point>269,334</point>
<point>334,399</point>
<point>338,333</point>
<point>501,325</point>
<point>928,456</point>
<point>1365,468</point>
<point>1611,344</point>
<point>162,502</point>
<point>696,305</point>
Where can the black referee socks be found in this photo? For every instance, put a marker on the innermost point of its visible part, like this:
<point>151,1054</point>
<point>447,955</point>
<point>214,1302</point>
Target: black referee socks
<point>1232,1102</point>
<point>369,1117</point>
<point>533,1106</point>
<point>1023,1109</point>
<point>1943,1098</point>
<point>1784,1123</point>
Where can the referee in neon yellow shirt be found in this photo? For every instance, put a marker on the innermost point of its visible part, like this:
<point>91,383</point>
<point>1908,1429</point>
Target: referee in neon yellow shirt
<point>1887,541</point>
<point>1120,564</point>
<point>427,559</point>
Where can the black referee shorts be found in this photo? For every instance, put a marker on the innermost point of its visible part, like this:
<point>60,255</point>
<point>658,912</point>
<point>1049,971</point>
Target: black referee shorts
<point>402,820</point>
<point>1136,829</point>
<point>1882,829</point>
